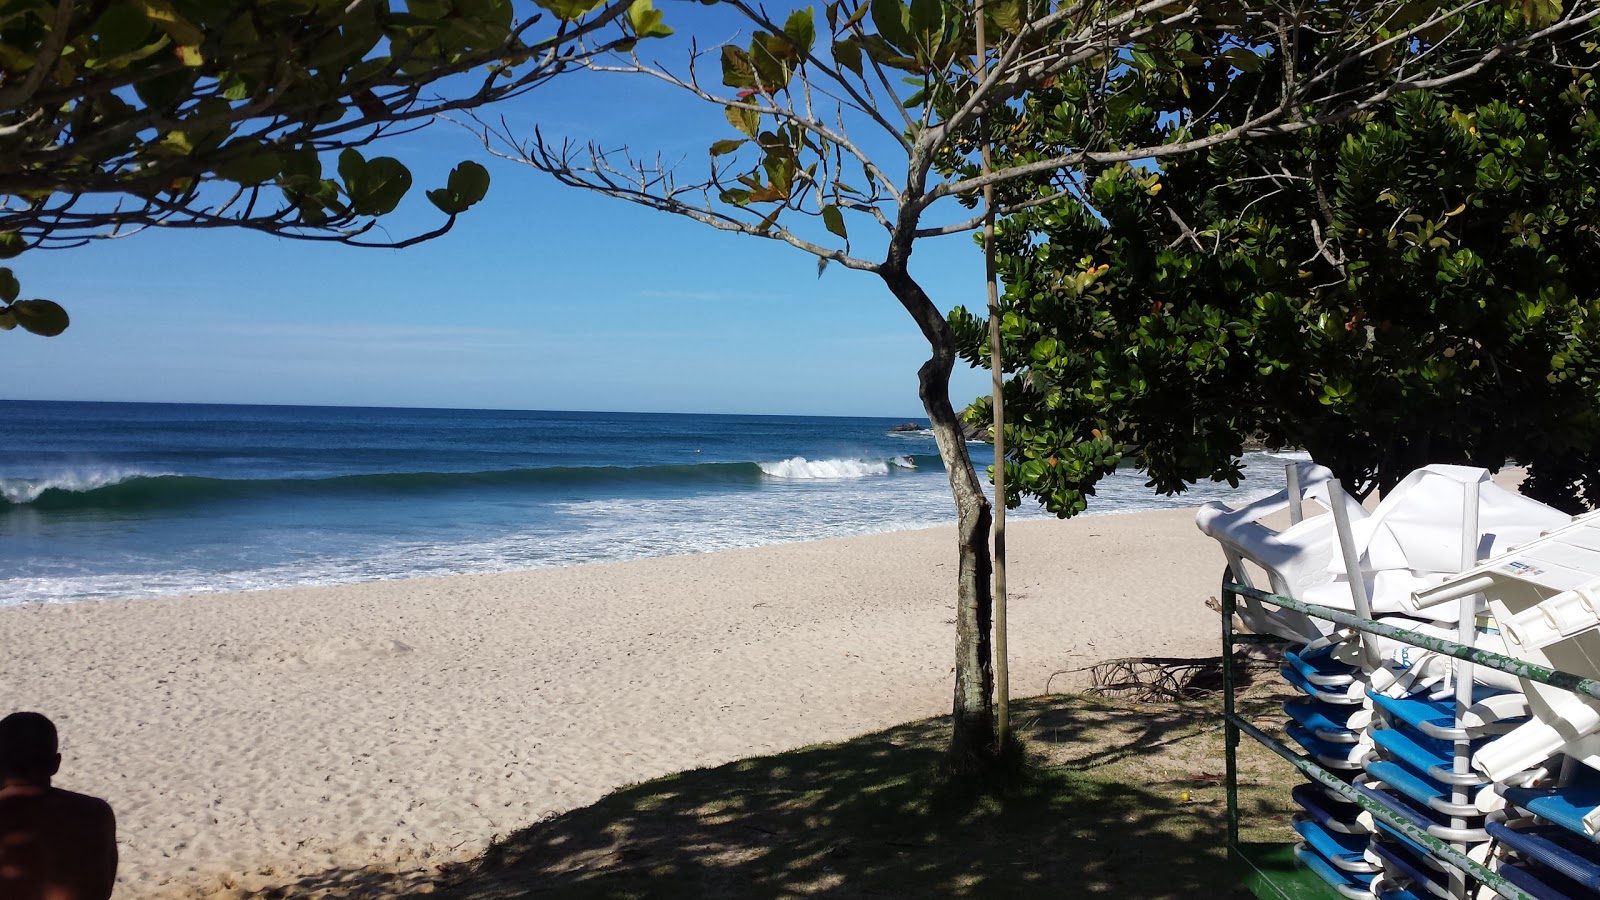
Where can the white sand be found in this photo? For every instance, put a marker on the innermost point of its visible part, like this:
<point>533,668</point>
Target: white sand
<point>410,722</point>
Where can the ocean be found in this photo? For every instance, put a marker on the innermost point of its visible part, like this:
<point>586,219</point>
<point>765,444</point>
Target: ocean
<point>131,500</point>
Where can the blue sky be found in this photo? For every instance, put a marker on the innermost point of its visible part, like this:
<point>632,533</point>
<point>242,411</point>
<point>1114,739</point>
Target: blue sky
<point>543,297</point>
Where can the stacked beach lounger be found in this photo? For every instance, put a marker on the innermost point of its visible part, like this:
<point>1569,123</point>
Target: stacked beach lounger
<point>1544,813</point>
<point>1383,714</point>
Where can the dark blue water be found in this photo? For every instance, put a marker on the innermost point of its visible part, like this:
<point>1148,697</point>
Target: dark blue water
<point>128,500</point>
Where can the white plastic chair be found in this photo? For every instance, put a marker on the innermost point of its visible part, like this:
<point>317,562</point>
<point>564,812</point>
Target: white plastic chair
<point>1412,542</point>
<point>1545,596</point>
<point>1295,559</point>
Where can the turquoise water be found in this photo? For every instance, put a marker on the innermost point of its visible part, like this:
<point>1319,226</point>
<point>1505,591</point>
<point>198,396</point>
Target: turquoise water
<point>101,500</point>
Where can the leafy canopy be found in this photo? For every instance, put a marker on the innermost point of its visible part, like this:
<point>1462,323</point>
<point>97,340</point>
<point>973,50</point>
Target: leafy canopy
<point>1416,283</point>
<point>123,114</point>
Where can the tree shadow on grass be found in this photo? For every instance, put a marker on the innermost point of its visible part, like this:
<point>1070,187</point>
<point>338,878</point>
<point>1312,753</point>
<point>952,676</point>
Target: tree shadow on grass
<point>871,818</point>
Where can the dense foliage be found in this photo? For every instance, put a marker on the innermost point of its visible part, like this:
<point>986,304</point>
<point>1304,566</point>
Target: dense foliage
<point>1417,283</point>
<point>122,114</point>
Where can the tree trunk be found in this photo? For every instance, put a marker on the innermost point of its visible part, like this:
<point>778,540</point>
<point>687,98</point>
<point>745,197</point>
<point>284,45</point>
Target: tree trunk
<point>972,740</point>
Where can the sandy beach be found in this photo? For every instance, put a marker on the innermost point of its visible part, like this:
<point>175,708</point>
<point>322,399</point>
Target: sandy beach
<point>246,738</point>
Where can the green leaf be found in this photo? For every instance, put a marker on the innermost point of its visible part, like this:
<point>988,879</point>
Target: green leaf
<point>721,148</point>
<point>378,186</point>
<point>1242,59</point>
<point>469,181</point>
<point>1006,15</point>
<point>351,164</point>
<point>746,120</point>
<point>8,285</point>
<point>892,19</point>
<point>737,69</point>
<point>927,22</point>
<point>444,200</point>
<point>42,317</point>
<point>7,320</point>
<point>183,32</point>
<point>121,29</point>
<point>251,170</point>
<point>833,220</point>
<point>801,30</point>
<point>847,53</point>
<point>11,244</point>
<point>570,10</point>
<point>646,20</point>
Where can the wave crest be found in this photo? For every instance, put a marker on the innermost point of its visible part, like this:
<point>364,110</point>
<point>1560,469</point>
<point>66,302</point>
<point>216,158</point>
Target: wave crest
<point>798,467</point>
<point>127,489</point>
<point>18,491</point>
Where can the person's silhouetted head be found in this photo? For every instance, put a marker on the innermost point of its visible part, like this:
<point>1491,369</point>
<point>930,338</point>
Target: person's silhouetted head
<point>28,747</point>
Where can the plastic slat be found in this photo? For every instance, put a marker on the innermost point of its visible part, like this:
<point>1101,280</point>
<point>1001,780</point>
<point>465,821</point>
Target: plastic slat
<point>1545,888</point>
<point>1323,717</point>
<point>1408,782</point>
<point>1343,882</point>
<point>1330,755</point>
<point>1334,695</point>
<point>1407,866</point>
<point>1331,816</point>
<point>1564,806</point>
<point>1345,851</point>
<point>1416,710</point>
<point>1405,746</point>
<point>1320,666</point>
<point>1554,848</point>
<point>1397,806</point>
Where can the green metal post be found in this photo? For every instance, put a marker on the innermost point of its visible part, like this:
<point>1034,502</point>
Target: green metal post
<point>1230,731</point>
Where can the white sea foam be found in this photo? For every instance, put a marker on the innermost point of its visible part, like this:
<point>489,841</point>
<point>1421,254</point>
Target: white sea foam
<point>600,530</point>
<point>800,467</point>
<point>27,490</point>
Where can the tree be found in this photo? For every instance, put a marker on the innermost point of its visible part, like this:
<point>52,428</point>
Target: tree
<point>1416,283</point>
<point>117,115</point>
<point>843,148</point>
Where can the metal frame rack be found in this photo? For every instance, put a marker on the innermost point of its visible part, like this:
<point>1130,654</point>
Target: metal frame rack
<point>1270,870</point>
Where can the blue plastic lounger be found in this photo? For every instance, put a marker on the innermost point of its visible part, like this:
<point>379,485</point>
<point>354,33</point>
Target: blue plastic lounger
<point>1392,891</point>
<point>1424,759</point>
<point>1346,852</point>
<point>1330,755</point>
<point>1545,886</point>
<point>1351,885</point>
<point>1325,722</point>
<point>1436,718</point>
<point>1349,695</point>
<point>1420,789</point>
<point>1319,667</point>
<point>1342,816</point>
<point>1417,753</point>
<point>1399,860</point>
<point>1554,848</point>
<point>1419,817</point>
<point>1566,806</point>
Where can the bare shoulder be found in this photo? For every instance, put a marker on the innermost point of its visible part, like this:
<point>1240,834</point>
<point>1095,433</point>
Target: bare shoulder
<point>83,804</point>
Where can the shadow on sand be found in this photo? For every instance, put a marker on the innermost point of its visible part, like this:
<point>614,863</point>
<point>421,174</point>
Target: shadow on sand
<point>1119,800</point>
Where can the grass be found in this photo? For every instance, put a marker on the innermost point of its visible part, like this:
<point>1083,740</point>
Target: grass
<point>1116,800</point>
